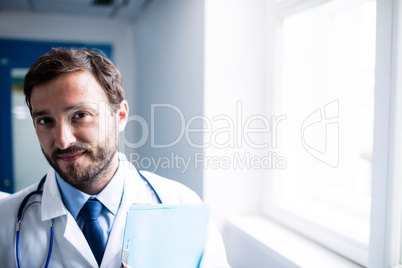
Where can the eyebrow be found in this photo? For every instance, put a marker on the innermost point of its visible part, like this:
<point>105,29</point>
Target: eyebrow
<point>39,113</point>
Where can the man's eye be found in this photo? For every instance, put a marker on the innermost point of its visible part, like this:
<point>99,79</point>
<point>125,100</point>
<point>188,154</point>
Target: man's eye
<point>43,121</point>
<point>80,115</point>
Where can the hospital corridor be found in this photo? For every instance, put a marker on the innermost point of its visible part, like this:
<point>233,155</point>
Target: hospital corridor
<point>201,133</point>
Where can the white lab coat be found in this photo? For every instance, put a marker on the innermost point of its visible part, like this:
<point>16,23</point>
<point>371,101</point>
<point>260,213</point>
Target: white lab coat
<point>70,248</point>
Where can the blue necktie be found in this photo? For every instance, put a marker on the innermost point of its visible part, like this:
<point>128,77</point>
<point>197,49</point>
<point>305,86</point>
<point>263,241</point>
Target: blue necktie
<point>92,230</point>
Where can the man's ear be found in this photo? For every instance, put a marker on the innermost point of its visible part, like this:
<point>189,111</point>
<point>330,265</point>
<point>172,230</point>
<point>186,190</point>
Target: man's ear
<point>122,114</point>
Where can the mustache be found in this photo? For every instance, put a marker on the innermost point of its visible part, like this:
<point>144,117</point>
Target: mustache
<point>72,149</point>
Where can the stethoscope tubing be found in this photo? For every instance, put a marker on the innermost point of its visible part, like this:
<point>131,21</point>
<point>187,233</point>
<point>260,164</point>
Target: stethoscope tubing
<point>51,244</point>
<point>150,186</point>
<point>17,249</point>
<point>20,212</point>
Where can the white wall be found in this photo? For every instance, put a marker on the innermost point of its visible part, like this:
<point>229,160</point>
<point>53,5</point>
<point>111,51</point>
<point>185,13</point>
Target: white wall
<point>236,86</point>
<point>59,28</point>
<point>238,37</point>
<point>170,59</point>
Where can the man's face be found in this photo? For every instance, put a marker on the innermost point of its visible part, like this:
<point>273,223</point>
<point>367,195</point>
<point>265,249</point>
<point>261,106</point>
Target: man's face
<point>77,131</point>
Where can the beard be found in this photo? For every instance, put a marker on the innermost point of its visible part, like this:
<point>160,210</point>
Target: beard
<point>76,174</point>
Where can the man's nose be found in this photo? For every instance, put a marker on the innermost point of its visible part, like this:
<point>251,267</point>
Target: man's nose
<point>64,136</point>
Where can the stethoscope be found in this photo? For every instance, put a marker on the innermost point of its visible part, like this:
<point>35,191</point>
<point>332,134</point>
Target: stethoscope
<point>38,191</point>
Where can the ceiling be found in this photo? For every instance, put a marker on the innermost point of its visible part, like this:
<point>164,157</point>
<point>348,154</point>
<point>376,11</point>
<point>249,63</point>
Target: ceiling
<point>115,9</point>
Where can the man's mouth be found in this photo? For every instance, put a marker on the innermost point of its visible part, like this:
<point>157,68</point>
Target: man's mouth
<point>71,157</point>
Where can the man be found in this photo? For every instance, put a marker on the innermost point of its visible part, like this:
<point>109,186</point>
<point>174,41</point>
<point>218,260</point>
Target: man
<point>76,100</point>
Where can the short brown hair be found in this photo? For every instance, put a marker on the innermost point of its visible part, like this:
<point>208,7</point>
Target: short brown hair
<point>60,61</point>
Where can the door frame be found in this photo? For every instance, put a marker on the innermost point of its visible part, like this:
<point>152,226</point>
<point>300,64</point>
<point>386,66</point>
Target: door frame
<point>22,54</point>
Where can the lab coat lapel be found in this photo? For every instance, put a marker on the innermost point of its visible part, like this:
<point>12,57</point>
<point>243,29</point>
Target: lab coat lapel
<point>115,242</point>
<point>135,191</point>
<point>64,224</point>
<point>74,235</point>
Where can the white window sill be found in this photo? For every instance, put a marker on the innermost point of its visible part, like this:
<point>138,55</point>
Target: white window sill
<point>281,245</point>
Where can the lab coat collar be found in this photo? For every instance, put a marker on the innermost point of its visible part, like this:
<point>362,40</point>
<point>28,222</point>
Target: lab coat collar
<point>136,190</point>
<point>52,204</point>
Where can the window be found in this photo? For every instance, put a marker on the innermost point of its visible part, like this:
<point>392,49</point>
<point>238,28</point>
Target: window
<point>325,87</point>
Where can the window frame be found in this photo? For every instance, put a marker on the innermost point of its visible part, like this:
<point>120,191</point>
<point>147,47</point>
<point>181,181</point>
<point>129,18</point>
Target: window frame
<point>385,242</point>
<point>384,248</point>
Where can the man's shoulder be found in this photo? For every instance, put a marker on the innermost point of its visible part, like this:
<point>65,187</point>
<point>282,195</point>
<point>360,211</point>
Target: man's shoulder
<point>9,203</point>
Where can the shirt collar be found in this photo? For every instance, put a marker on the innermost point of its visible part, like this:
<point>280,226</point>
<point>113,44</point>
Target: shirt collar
<point>110,196</point>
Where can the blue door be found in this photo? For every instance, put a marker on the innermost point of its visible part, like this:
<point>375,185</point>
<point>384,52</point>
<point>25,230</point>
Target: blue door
<point>16,54</point>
